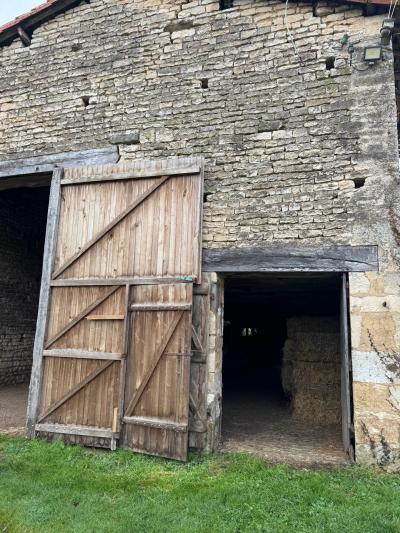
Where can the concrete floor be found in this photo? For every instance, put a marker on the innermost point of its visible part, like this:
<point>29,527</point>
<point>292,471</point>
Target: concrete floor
<point>13,403</point>
<point>263,426</point>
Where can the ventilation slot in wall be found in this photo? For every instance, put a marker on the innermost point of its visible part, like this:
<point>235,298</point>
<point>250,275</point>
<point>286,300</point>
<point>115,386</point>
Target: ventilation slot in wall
<point>330,62</point>
<point>359,182</point>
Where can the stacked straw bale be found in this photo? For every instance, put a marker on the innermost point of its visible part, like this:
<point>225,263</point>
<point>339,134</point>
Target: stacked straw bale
<point>311,369</point>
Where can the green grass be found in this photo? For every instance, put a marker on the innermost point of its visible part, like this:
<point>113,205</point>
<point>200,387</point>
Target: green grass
<point>52,487</point>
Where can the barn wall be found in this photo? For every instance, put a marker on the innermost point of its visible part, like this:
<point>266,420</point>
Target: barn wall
<point>22,227</point>
<point>295,153</point>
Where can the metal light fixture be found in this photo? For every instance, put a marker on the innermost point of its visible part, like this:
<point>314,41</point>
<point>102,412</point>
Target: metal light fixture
<point>372,54</point>
<point>387,31</point>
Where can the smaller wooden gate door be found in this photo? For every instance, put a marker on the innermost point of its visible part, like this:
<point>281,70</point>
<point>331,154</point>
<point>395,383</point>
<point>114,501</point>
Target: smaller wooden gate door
<point>158,370</point>
<point>123,247</point>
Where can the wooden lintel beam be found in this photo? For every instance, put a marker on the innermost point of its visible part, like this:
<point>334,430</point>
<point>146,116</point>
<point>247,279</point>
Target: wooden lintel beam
<point>48,163</point>
<point>292,259</point>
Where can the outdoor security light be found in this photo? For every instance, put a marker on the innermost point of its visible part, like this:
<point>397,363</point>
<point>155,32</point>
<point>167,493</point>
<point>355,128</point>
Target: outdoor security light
<point>372,54</point>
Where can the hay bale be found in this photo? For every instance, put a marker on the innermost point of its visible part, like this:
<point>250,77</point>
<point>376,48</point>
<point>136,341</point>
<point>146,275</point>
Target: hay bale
<point>316,409</point>
<point>311,369</point>
<point>315,375</point>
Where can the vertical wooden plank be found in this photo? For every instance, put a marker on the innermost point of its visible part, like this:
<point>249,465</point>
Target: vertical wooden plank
<point>199,227</point>
<point>44,299</point>
<point>198,370</point>
<point>345,368</point>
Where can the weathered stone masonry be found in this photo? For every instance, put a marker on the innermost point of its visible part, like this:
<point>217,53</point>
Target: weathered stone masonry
<point>285,141</point>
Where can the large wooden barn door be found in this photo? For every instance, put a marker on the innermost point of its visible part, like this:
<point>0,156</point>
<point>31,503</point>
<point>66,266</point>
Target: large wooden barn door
<point>114,328</point>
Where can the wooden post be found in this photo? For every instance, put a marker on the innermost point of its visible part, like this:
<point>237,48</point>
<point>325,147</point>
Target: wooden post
<point>345,370</point>
<point>44,300</point>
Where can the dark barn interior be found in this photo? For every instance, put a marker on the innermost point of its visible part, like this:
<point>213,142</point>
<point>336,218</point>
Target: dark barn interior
<point>281,367</point>
<point>23,215</point>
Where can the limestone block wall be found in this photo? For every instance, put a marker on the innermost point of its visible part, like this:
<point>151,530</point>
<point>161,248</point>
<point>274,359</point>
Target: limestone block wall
<point>375,336</point>
<point>22,228</point>
<point>284,138</point>
<point>214,360</point>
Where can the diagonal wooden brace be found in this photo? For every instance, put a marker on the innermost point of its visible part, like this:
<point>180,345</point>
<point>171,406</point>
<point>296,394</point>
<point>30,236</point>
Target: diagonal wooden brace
<point>139,200</point>
<point>88,379</point>
<point>81,315</point>
<point>159,353</point>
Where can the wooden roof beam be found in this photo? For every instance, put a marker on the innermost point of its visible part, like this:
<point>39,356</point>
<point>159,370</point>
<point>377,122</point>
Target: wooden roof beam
<point>33,19</point>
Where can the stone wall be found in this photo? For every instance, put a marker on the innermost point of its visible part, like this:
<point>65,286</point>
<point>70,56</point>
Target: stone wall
<point>300,148</point>
<point>375,335</point>
<point>284,139</point>
<point>22,229</point>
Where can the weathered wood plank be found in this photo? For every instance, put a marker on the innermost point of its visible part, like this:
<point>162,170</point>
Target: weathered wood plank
<point>81,315</point>
<point>160,307</point>
<point>88,431</point>
<point>157,356</point>
<point>44,299</point>
<point>117,281</point>
<point>110,226</point>
<point>130,175</point>
<point>81,354</point>
<point>137,169</point>
<point>105,317</point>
<point>155,423</point>
<point>88,379</point>
<point>345,387</point>
<point>50,162</point>
<point>289,259</point>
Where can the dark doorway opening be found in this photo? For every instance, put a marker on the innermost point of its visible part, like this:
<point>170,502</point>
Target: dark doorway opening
<point>282,368</point>
<point>23,216</point>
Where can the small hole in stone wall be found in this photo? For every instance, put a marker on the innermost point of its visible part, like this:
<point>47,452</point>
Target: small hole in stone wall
<point>359,182</point>
<point>225,4</point>
<point>330,62</point>
<point>205,196</point>
<point>204,83</point>
<point>86,100</point>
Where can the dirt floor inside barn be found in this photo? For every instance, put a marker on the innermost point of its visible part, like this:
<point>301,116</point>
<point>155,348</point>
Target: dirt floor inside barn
<point>13,404</point>
<point>265,428</point>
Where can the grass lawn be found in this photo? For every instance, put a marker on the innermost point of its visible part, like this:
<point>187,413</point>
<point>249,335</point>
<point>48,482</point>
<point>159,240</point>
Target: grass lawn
<point>51,487</point>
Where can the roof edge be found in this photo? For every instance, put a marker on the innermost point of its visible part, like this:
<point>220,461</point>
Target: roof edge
<point>29,21</point>
<point>34,18</point>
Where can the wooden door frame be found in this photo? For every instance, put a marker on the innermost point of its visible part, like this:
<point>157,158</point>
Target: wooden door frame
<point>44,301</point>
<point>346,378</point>
<point>346,353</point>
